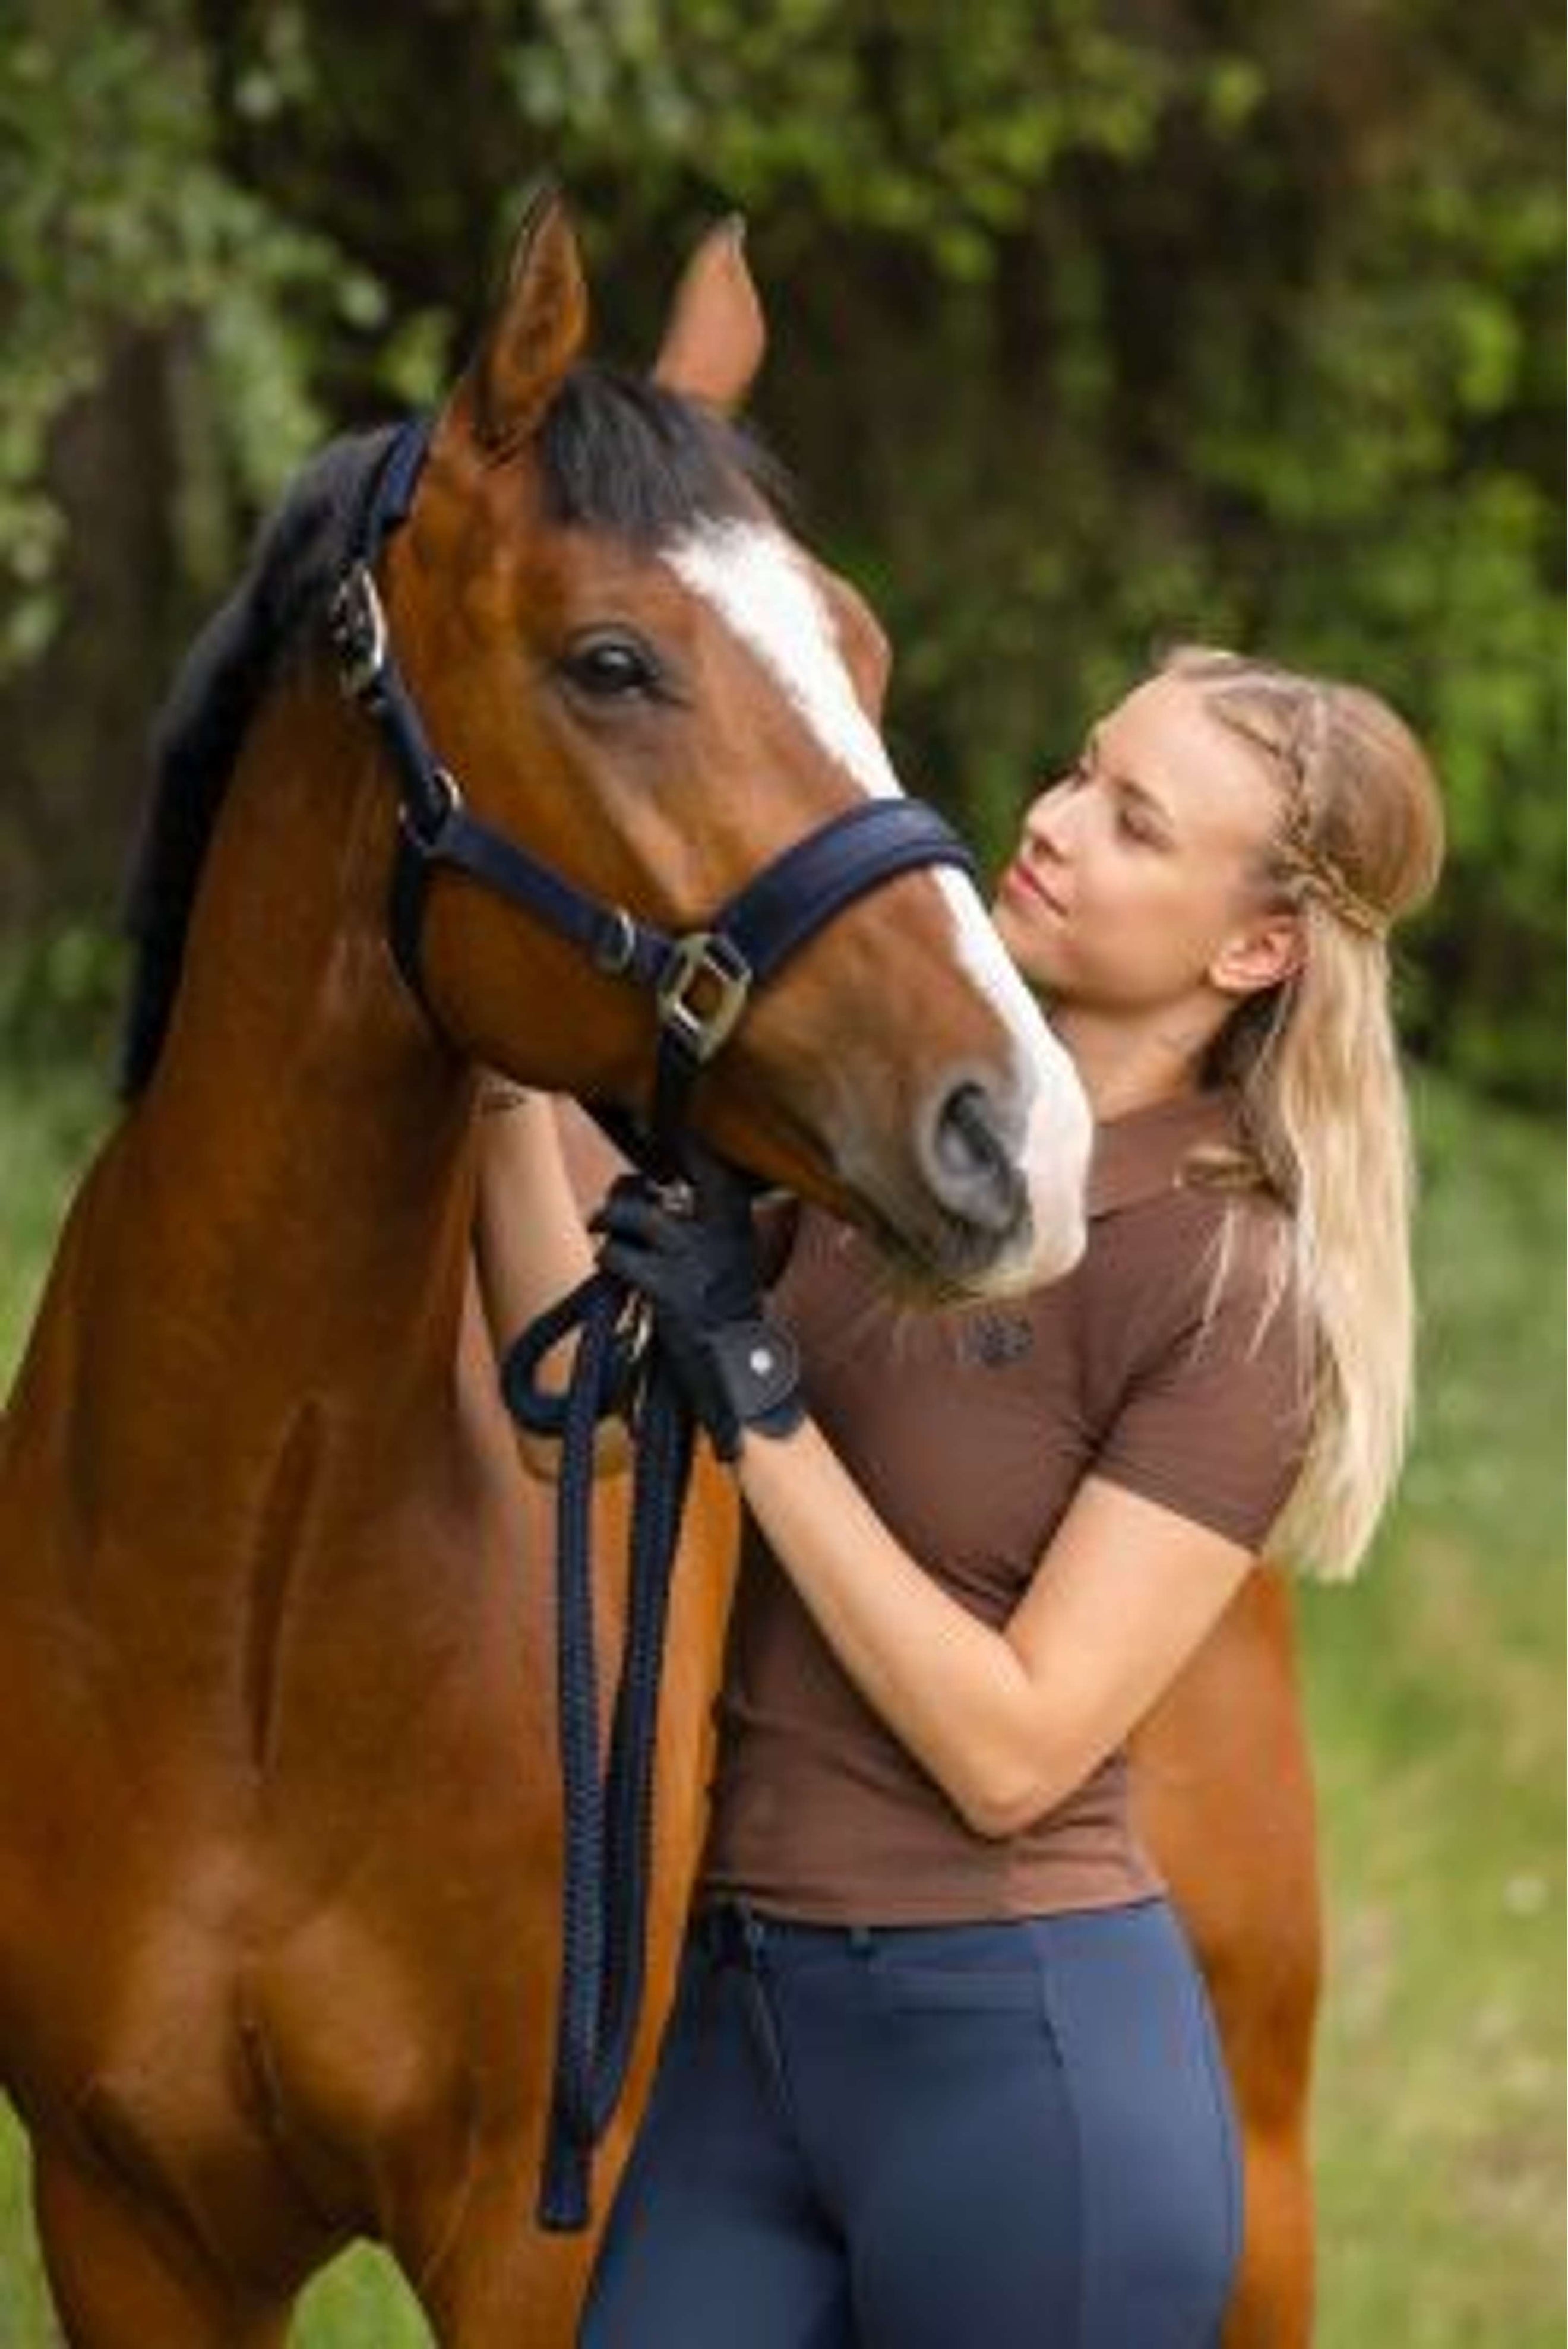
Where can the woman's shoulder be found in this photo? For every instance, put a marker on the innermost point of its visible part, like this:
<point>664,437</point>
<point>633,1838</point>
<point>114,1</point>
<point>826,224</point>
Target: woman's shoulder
<point>1183,1219</point>
<point>1199,1362</point>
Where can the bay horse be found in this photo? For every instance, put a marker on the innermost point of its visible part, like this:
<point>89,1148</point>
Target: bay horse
<point>279,1828</point>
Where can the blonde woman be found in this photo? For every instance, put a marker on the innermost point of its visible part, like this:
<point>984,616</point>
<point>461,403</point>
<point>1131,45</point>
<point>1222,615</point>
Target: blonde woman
<point>941,2068</point>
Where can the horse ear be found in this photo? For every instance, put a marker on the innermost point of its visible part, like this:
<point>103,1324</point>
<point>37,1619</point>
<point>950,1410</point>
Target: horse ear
<point>716,335</point>
<point>535,331</point>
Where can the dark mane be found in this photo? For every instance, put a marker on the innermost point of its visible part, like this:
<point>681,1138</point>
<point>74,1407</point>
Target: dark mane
<point>216,693</point>
<point>617,454</point>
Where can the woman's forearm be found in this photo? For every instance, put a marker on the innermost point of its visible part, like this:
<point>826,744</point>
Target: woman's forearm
<point>1009,1721</point>
<point>530,1238</point>
<point>950,1689</point>
<point>530,1248</point>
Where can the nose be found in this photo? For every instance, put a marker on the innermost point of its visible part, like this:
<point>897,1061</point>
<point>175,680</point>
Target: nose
<point>971,1163</point>
<point>1044,824</point>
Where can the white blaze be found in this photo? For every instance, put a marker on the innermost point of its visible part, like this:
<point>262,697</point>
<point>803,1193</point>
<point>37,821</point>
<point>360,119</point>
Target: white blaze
<point>756,580</point>
<point>1060,1132</point>
<point>764,594</point>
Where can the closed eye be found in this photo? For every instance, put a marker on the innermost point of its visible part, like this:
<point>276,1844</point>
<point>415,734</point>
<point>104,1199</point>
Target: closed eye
<point>1134,825</point>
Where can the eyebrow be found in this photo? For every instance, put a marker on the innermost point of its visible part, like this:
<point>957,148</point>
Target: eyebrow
<point>1149,800</point>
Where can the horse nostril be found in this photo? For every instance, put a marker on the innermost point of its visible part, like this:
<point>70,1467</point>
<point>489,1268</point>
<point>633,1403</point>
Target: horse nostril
<point>969,1166</point>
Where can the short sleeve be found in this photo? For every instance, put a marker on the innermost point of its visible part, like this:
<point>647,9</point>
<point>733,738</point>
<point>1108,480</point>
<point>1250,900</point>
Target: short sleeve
<point>1213,1423</point>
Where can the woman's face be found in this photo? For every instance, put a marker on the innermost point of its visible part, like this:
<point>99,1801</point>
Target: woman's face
<point>1135,874</point>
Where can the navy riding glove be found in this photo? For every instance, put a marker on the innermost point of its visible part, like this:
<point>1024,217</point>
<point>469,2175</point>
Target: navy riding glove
<point>698,1269</point>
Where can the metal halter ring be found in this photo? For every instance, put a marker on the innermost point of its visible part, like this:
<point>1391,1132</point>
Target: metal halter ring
<point>703,959</point>
<point>617,946</point>
<point>358,626</point>
<point>443,800</point>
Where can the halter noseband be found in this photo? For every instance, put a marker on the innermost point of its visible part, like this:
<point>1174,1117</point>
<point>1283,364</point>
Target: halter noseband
<point>701,981</point>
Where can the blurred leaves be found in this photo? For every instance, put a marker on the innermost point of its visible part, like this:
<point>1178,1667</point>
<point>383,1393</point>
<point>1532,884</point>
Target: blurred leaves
<point>1095,326</point>
<point>118,217</point>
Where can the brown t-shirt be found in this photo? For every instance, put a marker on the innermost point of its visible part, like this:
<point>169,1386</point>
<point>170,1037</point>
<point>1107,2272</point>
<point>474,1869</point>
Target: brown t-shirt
<point>970,1429</point>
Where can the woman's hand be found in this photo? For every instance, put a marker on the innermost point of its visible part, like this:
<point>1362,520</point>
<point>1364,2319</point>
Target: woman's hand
<point>698,1267</point>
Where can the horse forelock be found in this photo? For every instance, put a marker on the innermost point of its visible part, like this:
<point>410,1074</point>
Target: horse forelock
<point>296,557</point>
<point>621,454</point>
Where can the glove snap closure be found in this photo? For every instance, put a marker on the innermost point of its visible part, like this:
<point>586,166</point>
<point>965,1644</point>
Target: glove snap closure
<point>760,1366</point>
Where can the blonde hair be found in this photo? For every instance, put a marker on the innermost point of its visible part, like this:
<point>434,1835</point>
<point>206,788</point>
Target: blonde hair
<point>1315,1065</point>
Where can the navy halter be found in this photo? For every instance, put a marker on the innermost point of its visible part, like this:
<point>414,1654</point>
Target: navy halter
<point>703,980</point>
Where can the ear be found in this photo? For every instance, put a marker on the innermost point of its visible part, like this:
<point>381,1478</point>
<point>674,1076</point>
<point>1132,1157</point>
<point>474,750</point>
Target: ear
<point>1265,950</point>
<point>716,337</point>
<point>535,332</point>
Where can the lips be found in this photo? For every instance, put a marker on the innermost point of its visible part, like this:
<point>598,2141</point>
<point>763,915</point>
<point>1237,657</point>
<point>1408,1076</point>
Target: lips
<point>1022,882</point>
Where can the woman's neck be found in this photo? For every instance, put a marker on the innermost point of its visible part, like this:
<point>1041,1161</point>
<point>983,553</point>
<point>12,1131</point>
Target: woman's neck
<point>1130,1060</point>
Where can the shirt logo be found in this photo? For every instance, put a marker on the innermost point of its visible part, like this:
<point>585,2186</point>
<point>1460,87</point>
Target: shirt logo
<point>995,1339</point>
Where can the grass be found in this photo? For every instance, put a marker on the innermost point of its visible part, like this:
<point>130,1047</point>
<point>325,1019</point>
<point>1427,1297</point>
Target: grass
<point>1437,1694</point>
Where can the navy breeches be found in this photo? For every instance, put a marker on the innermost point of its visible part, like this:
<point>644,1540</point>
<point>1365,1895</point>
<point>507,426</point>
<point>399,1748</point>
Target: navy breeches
<point>1012,2135</point>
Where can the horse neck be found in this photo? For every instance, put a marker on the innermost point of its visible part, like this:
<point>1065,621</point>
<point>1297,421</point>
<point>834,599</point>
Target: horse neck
<point>303,1172</point>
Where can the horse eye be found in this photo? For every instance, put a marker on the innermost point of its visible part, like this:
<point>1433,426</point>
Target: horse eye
<point>609,668</point>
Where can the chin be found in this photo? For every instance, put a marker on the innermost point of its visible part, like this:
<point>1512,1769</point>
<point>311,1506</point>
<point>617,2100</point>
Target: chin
<point>1038,970</point>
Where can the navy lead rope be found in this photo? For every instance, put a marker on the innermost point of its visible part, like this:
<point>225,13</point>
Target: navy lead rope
<point>608,1819</point>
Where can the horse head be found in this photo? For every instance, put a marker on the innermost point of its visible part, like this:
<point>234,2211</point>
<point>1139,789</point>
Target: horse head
<point>636,671</point>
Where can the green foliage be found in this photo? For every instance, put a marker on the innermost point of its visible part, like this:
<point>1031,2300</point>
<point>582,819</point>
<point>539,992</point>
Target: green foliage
<point>60,997</point>
<point>49,1121</point>
<point>1093,328</point>
<point>120,219</point>
<point>933,127</point>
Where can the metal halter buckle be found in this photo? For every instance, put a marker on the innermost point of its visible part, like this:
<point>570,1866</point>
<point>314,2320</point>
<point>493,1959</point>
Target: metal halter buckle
<point>615,949</point>
<point>357,628</point>
<point>705,958</point>
<point>424,824</point>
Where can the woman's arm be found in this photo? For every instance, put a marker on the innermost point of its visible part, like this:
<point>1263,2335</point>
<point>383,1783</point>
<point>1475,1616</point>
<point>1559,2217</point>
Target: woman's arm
<point>530,1238</point>
<point>1007,1722</point>
<point>531,1245</point>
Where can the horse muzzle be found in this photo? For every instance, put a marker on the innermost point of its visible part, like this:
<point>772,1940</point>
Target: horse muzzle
<point>1014,1216</point>
<point>987,1196</point>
